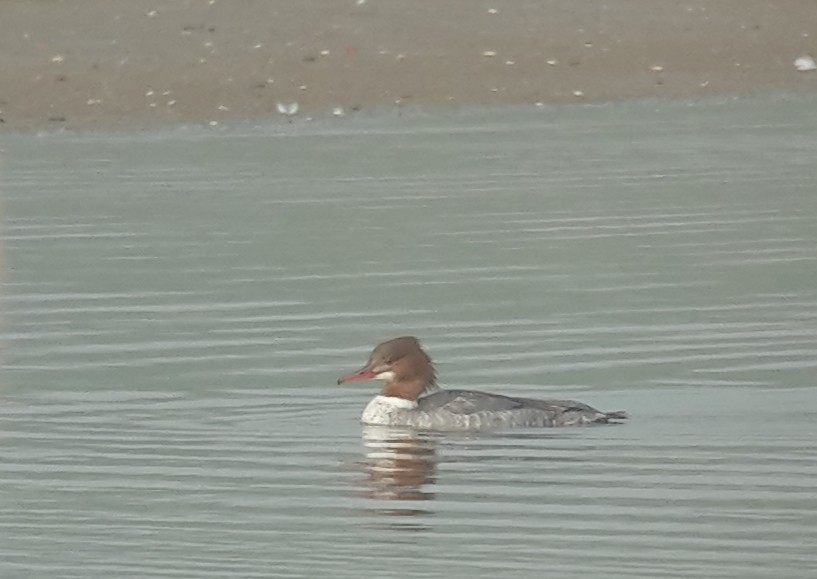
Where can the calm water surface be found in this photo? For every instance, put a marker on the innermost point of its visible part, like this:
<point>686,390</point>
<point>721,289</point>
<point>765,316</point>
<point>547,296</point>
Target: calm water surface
<point>177,306</point>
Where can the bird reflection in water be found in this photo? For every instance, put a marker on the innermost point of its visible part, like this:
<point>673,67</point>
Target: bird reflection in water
<point>400,465</point>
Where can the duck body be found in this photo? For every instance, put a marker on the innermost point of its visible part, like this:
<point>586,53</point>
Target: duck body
<point>410,398</point>
<point>473,410</point>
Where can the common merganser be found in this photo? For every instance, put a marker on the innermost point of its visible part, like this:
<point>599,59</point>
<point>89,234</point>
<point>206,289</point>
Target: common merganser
<point>411,398</point>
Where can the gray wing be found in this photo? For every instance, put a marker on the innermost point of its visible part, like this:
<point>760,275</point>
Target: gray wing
<point>470,402</point>
<point>558,405</point>
<point>467,402</point>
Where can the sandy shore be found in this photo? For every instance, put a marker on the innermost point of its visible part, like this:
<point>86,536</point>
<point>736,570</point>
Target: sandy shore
<point>141,63</point>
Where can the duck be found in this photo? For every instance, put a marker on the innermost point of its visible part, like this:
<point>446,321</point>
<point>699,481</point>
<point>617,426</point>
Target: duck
<point>411,398</point>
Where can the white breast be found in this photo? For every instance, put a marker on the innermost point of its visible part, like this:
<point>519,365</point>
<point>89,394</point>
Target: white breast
<point>387,410</point>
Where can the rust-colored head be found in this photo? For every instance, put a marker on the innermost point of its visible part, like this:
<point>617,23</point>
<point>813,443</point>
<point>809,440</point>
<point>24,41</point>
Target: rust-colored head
<point>402,364</point>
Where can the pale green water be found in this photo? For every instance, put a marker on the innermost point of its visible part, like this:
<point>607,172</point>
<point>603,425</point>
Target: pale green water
<point>178,305</point>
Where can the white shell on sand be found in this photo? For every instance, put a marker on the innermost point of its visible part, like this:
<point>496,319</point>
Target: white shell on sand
<point>287,109</point>
<point>805,63</point>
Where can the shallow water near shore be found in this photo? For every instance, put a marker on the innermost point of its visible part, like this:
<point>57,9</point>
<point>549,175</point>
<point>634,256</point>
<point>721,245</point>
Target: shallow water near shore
<point>177,306</point>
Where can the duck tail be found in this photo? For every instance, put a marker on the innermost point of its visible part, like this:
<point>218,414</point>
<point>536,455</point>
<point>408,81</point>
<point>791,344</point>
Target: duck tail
<point>615,416</point>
